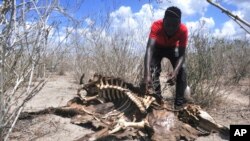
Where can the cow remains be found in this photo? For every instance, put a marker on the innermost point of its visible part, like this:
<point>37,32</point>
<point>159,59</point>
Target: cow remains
<point>119,110</point>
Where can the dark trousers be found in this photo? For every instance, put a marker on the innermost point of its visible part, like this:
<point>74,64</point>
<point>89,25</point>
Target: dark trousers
<point>173,56</point>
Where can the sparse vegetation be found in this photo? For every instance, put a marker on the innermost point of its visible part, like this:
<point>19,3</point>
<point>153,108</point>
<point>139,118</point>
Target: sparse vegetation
<point>213,63</point>
<point>24,56</point>
<point>30,51</point>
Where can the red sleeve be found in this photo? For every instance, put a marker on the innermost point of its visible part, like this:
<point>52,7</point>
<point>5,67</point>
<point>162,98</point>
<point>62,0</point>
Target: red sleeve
<point>154,31</point>
<point>183,37</point>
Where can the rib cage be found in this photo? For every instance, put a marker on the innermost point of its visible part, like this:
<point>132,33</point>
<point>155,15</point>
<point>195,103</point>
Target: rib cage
<point>114,89</point>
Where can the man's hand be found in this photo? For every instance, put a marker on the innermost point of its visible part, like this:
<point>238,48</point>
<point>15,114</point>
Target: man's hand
<point>147,84</point>
<point>172,78</point>
<point>148,81</point>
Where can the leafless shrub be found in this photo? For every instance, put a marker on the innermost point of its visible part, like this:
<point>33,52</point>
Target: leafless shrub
<point>112,55</point>
<point>238,59</point>
<point>204,69</point>
<point>118,59</point>
<point>22,56</point>
<point>213,63</point>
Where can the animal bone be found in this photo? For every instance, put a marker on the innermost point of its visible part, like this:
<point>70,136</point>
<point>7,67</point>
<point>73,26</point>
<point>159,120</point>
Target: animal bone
<point>202,119</point>
<point>122,124</point>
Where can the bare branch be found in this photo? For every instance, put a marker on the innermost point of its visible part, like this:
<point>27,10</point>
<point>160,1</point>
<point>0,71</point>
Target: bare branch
<point>236,18</point>
<point>13,124</point>
<point>23,47</point>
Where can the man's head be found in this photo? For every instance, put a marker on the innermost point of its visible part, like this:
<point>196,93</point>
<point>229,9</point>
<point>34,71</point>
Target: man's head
<point>172,20</point>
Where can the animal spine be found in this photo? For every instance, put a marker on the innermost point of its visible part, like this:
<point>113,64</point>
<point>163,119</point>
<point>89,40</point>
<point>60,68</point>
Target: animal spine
<point>113,89</point>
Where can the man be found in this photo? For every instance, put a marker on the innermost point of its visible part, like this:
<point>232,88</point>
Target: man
<point>168,38</point>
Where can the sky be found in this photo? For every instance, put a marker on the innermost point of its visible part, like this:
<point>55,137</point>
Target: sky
<point>136,16</point>
<point>198,15</point>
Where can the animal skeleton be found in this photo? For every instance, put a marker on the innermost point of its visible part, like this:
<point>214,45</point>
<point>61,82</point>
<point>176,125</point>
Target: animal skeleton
<point>125,111</point>
<point>112,89</point>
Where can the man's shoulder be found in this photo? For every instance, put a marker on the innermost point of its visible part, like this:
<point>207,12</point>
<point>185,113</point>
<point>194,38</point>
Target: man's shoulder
<point>183,27</point>
<point>160,21</point>
<point>157,23</point>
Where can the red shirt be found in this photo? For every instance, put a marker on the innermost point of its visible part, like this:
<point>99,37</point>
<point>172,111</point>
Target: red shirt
<point>179,39</point>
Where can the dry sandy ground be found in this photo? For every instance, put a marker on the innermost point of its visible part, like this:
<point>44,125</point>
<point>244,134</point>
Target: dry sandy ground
<point>60,89</point>
<point>57,92</point>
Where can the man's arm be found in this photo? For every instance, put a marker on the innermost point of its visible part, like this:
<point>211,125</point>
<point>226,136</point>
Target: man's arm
<point>181,59</point>
<point>147,61</point>
<point>182,49</point>
<point>178,65</point>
